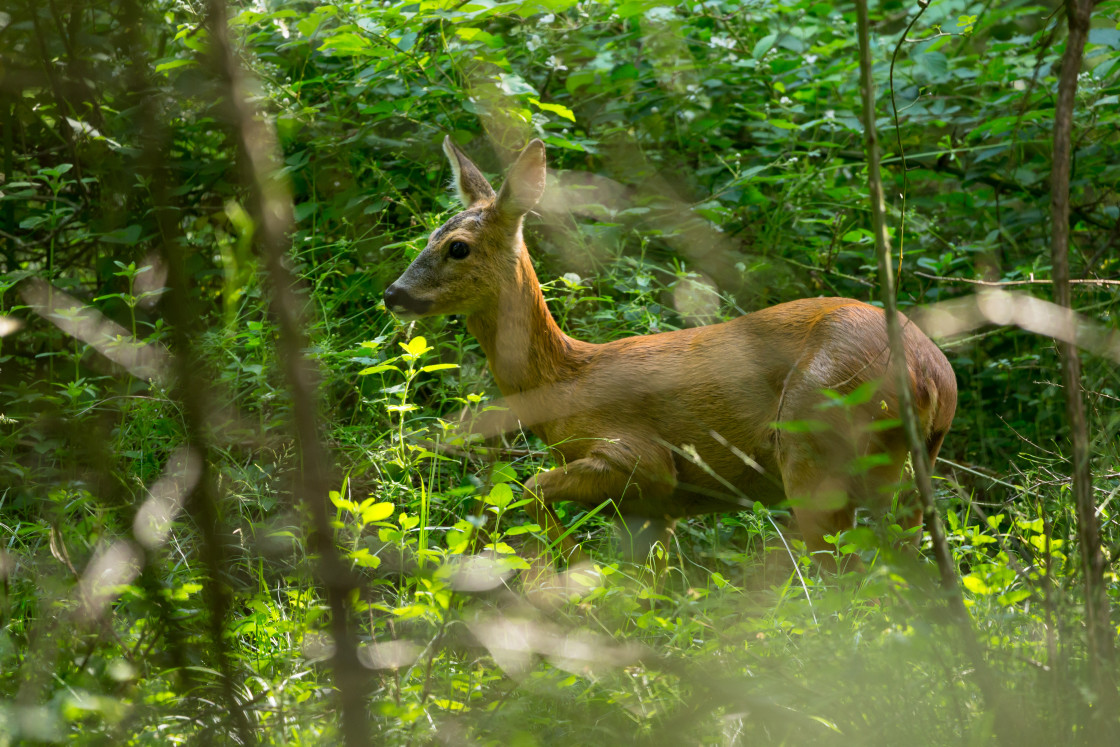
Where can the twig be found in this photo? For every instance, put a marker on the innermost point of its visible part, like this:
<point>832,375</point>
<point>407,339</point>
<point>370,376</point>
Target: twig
<point>1003,283</point>
<point>922,5</point>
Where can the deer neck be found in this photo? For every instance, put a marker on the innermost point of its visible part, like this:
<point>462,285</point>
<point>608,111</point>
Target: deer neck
<point>524,346</point>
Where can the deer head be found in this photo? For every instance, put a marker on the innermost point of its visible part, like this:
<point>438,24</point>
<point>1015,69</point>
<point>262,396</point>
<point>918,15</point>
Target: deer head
<point>467,260</point>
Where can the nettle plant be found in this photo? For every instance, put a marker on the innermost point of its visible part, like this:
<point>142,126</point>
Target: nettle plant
<point>415,473</point>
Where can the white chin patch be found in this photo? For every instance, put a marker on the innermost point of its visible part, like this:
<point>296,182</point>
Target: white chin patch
<point>404,314</point>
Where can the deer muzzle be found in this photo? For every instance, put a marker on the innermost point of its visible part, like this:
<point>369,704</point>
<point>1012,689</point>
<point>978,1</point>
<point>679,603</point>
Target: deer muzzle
<point>403,304</point>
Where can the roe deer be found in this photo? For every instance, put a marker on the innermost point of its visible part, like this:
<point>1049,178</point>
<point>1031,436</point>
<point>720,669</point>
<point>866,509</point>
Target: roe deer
<point>675,424</point>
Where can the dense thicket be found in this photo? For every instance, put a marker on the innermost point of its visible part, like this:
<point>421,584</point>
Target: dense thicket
<point>161,575</point>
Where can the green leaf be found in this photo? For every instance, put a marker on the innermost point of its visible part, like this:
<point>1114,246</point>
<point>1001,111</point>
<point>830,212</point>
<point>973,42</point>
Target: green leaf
<point>1038,542</point>
<point>58,170</point>
<point>377,512</point>
<point>514,85</point>
<point>364,558</point>
<point>1105,37</point>
<point>176,63</point>
<point>406,41</point>
<point>783,124</point>
<point>392,536</point>
<point>448,705</point>
<point>1013,597</point>
<point>860,395</point>
<point>763,46</point>
<point>438,367</point>
<point>340,502</point>
<point>502,472</point>
<point>631,8</point>
<point>934,64</point>
<point>309,25</point>
<point>411,611</point>
<point>349,44</point>
<point>500,495</point>
<point>563,111</point>
<point>563,142</point>
<point>513,563</point>
<point>378,369</point>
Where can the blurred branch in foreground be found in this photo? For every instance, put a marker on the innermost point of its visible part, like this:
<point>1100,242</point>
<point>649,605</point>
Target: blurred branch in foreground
<point>270,205</point>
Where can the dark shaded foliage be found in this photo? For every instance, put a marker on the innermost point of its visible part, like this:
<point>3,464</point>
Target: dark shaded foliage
<point>709,160</point>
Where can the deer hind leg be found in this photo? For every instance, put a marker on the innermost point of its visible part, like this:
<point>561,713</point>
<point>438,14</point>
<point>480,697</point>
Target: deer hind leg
<point>831,471</point>
<point>910,514</point>
<point>881,487</point>
<point>827,475</point>
<point>814,464</point>
<point>821,506</point>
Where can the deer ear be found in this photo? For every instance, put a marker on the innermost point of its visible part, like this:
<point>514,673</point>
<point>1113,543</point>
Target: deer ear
<point>469,183</point>
<point>525,184</point>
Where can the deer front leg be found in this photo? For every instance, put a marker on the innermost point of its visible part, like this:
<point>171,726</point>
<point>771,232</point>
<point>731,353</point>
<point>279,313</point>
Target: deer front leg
<point>547,520</point>
<point>639,484</point>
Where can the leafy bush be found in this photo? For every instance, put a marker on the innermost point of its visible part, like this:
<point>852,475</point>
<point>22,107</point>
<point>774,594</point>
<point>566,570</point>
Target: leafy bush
<point>710,159</point>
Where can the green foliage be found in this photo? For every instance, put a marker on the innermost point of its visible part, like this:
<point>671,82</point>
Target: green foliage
<point>719,148</point>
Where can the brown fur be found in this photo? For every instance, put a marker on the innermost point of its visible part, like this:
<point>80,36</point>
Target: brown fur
<point>678,423</point>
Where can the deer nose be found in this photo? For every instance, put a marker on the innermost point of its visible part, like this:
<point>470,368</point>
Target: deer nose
<point>400,301</point>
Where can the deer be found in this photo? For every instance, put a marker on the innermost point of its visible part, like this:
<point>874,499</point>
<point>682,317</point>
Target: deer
<point>686,422</point>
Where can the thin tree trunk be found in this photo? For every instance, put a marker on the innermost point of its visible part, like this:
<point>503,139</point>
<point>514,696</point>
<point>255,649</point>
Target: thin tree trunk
<point>1098,626</point>
<point>916,443</point>
<point>1005,722</point>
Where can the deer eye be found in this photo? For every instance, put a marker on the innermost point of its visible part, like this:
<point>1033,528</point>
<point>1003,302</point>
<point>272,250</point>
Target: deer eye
<point>459,250</point>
